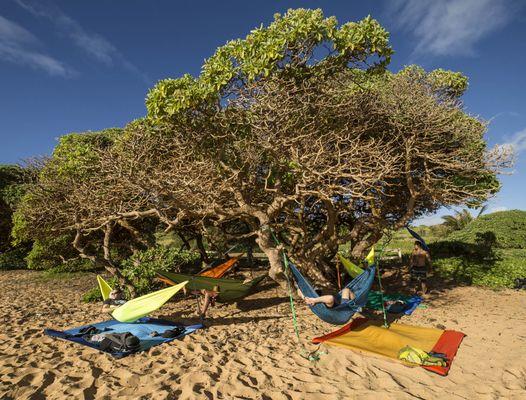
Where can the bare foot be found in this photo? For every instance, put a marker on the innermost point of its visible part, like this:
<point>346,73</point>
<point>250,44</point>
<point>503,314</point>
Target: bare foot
<point>310,301</point>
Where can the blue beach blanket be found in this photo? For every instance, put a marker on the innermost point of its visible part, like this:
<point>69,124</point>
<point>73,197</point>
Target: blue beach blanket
<point>374,300</point>
<point>141,328</point>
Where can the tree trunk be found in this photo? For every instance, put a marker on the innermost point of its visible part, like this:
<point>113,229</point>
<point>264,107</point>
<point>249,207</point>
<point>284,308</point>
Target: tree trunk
<point>313,269</point>
<point>186,244</point>
<point>201,248</point>
<point>360,248</point>
<point>104,262</point>
<point>265,243</point>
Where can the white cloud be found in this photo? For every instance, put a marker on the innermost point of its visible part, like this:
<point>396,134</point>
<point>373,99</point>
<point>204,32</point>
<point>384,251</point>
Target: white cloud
<point>11,32</point>
<point>517,141</point>
<point>497,209</point>
<point>17,46</point>
<point>93,44</point>
<point>450,27</point>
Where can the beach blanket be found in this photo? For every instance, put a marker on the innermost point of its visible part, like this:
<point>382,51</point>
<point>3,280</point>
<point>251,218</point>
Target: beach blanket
<point>141,329</point>
<point>370,336</point>
<point>374,301</point>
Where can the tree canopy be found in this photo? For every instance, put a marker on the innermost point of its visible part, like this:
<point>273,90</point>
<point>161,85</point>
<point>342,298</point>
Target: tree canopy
<point>298,130</point>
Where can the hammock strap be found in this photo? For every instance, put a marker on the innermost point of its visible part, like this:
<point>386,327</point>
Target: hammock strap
<point>379,257</point>
<point>313,355</point>
<point>339,275</point>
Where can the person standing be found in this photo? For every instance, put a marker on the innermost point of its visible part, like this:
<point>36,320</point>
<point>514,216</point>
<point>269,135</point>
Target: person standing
<point>420,266</point>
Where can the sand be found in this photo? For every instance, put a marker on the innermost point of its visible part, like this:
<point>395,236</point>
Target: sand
<point>249,350</point>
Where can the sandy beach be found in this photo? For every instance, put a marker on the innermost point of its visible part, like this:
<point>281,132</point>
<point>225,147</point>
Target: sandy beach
<point>249,351</point>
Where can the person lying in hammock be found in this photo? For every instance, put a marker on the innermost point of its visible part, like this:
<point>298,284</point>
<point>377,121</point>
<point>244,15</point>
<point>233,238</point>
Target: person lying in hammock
<point>330,300</point>
<point>115,299</point>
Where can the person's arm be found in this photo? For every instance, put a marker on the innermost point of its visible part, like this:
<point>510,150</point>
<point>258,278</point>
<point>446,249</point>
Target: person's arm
<point>429,262</point>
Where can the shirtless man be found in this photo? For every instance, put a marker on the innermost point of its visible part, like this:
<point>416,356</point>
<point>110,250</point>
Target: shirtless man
<point>420,265</point>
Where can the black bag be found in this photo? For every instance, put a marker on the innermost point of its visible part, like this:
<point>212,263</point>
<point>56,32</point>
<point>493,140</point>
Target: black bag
<point>520,283</point>
<point>171,333</point>
<point>120,343</point>
<point>397,307</point>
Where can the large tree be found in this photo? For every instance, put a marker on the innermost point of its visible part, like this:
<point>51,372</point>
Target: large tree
<point>298,130</point>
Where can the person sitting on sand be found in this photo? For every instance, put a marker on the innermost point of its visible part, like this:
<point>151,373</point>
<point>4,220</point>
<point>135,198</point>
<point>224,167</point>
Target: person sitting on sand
<point>115,299</point>
<point>209,297</point>
<point>420,265</point>
<point>330,300</point>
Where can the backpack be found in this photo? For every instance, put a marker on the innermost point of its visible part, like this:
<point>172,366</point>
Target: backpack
<point>120,343</point>
<point>397,307</point>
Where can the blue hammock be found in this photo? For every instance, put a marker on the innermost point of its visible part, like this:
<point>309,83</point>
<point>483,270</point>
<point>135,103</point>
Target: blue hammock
<point>343,312</point>
<point>418,238</point>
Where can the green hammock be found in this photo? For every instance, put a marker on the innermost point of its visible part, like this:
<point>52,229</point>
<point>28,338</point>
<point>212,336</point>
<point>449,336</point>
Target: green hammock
<point>227,289</point>
<point>352,269</point>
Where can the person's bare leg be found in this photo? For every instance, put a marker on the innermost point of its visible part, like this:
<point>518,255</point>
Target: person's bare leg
<point>301,296</point>
<point>348,294</point>
<point>424,287</point>
<point>328,300</point>
<point>206,304</point>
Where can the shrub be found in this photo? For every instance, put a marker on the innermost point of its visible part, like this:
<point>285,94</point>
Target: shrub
<point>58,253</point>
<point>508,228</point>
<point>142,266</point>
<point>498,273</point>
<point>13,259</point>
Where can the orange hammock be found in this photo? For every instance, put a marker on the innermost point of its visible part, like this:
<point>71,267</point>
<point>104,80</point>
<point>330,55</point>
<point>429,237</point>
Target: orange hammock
<point>220,270</point>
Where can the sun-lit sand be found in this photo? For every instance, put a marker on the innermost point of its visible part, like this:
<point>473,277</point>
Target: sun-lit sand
<point>249,350</point>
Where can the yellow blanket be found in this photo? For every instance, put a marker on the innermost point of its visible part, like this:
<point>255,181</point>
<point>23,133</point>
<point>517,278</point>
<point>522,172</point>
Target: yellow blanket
<point>374,338</point>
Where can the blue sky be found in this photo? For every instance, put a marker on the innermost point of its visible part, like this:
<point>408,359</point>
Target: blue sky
<point>72,66</point>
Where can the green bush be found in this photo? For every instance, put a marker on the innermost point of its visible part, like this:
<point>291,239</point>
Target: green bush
<point>498,273</point>
<point>508,228</point>
<point>92,296</point>
<point>56,253</point>
<point>141,267</point>
<point>13,259</point>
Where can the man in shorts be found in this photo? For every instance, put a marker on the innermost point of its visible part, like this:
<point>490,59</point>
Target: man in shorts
<point>420,266</point>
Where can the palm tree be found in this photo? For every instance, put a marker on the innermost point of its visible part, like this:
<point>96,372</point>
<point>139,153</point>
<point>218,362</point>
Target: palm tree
<point>461,219</point>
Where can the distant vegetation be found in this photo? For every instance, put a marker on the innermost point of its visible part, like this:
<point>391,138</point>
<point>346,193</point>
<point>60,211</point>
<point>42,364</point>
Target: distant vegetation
<point>509,228</point>
<point>489,251</point>
<point>460,219</point>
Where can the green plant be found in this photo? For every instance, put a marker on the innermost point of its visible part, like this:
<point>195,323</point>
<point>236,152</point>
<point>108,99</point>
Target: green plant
<point>461,219</point>
<point>297,129</point>
<point>508,227</point>
<point>500,273</point>
<point>13,184</point>
<point>140,269</point>
<point>56,253</point>
<point>13,259</point>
